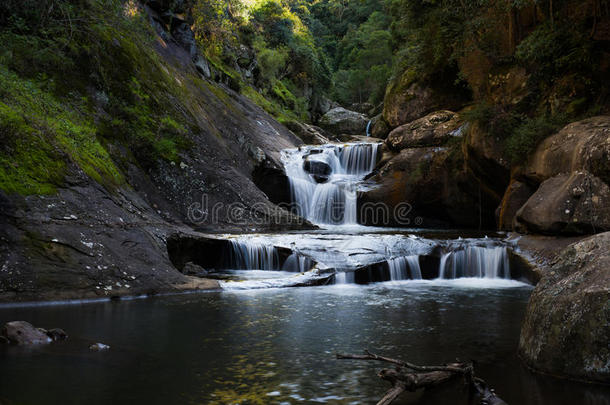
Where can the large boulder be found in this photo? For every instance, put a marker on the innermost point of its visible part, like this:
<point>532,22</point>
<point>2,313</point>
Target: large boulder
<point>582,145</point>
<point>432,130</point>
<point>23,333</point>
<point>567,322</point>
<point>342,121</point>
<point>407,99</point>
<point>517,193</point>
<point>426,187</point>
<point>576,203</point>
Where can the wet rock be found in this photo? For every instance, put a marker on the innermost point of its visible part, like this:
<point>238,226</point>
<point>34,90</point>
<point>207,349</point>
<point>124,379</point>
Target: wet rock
<point>426,187</point>
<point>582,145</point>
<point>567,322</point>
<point>98,347</point>
<point>432,130</point>
<point>379,128</point>
<point>576,203</point>
<point>342,121</point>
<point>193,269</point>
<point>57,334</point>
<point>516,195</point>
<point>23,333</point>
<point>318,169</point>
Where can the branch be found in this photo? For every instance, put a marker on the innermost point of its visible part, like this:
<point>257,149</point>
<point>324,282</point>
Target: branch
<point>456,367</point>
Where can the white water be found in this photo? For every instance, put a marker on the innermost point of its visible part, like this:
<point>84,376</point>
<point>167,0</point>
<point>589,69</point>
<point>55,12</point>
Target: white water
<point>475,261</point>
<point>404,268</point>
<point>325,192</point>
<point>249,254</point>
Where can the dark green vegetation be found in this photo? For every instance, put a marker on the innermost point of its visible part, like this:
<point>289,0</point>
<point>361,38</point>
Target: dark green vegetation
<point>75,77</point>
<point>78,76</point>
<point>530,66</point>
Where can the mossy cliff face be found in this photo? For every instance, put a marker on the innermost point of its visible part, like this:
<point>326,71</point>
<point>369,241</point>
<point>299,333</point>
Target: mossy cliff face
<point>567,323</point>
<point>110,145</point>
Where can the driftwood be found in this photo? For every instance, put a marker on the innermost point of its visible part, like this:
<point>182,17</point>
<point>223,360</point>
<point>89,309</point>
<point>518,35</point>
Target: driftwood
<point>411,377</point>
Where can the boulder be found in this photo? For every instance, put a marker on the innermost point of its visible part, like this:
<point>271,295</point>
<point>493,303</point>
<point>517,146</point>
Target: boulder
<point>567,321</point>
<point>379,128</point>
<point>426,187</point>
<point>517,193</point>
<point>98,347</point>
<point>432,130</point>
<point>309,134</point>
<point>582,145</point>
<point>407,99</point>
<point>23,333</point>
<point>193,269</point>
<point>342,121</point>
<point>57,334</point>
<point>318,169</point>
<point>576,203</point>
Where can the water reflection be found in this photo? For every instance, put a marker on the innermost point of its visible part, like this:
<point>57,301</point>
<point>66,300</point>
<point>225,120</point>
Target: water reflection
<point>277,346</point>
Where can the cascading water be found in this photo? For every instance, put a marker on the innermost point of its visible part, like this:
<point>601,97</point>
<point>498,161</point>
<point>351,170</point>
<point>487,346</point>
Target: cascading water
<point>404,268</point>
<point>250,255</point>
<point>324,179</point>
<point>297,263</point>
<point>475,261</point>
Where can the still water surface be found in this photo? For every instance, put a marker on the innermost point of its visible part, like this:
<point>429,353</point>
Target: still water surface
<point>277,346</point>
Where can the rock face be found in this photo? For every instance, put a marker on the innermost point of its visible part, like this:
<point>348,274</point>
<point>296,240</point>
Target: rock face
<point>87,241</point>
<point>485,159</point>
<point>432,130</point>
<point>407,100</point>
<point>517,193</point>
<point>342,121</point>
<point>24,333</point>
<point>427,187</point>
<point>379,128</point>
<point>567,323</point>
<point>568,203</point>
<point>582,145</point>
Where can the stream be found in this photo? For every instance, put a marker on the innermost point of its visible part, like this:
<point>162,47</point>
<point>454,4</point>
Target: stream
<point>424,296</point>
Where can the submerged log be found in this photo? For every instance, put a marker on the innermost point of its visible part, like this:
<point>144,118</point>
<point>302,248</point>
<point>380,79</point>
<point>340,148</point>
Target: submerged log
<point>411,377</point>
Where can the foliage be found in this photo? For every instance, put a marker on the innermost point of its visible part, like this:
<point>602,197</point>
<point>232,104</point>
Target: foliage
<point>76,77</point>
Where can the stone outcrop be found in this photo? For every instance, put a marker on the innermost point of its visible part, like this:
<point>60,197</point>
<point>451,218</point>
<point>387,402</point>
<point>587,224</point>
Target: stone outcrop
<point>432,130</point>
<point>517,193</point>
<point>429,186</point>
<point>567,322</point>
<point>341,121</point>
<point>88,241</point>
<point>567,203</point>
<point>406,99</point>
<point>485,158</point>
<point>379,128</point>
<point>582,145</point>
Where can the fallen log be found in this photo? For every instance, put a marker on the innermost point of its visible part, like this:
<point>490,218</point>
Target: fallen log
<point>411,377</point>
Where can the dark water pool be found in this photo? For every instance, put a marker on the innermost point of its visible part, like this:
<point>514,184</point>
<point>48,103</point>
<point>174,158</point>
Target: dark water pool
<point>277,346</point>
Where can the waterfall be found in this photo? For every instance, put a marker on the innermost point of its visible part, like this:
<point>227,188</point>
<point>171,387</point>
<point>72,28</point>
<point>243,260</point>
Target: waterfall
<point>297,263</point>
<point>251,255</point>
<point>404,268</point>
<point>324,179</point>
<point>368,128</point>
<point>475,261</point>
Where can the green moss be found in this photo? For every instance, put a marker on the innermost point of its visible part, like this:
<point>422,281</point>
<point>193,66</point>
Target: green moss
<point>40,133</point>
